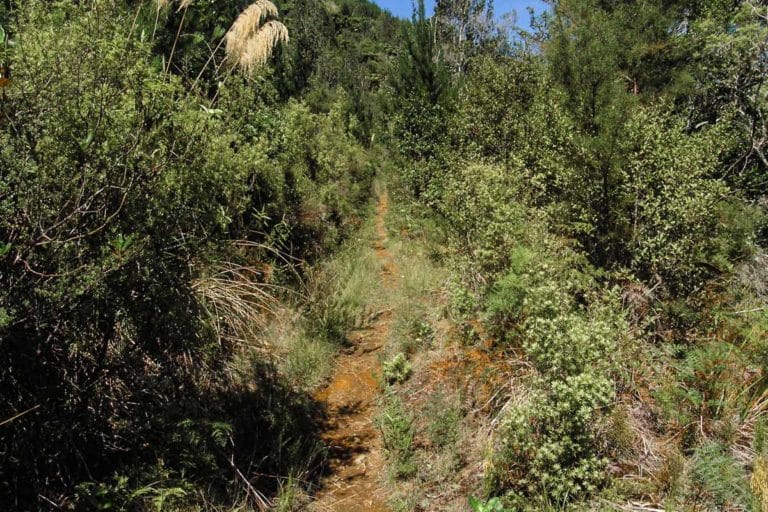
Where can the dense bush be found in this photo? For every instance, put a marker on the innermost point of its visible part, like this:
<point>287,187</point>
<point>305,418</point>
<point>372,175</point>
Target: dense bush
<point>548,444</point>
<point>631,213</point>
<point>618,151</point>
<point>119,191</point>
<point>676,209</point>
<point>480,203</point>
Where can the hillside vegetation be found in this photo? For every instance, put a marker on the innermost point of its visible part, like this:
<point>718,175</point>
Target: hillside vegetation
<point>560,299</point>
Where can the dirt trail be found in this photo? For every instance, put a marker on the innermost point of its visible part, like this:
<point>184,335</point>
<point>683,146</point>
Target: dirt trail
<point>356,465</point>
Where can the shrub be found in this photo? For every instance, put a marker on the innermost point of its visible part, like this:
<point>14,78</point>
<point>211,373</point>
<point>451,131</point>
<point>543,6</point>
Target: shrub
<point>492,505</point>
<point>480,202</point>
<point>131,188</point>
<point>507,297</point>
<point>397,369</point>
<point>417,333</point>
<point>547,446</point>
<point>679,226</point>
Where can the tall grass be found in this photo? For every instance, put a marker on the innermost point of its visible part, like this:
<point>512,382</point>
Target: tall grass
<point>238,301</point>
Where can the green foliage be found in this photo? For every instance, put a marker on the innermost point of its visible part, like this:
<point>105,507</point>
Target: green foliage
<point>548,446</point>
<point>397,369</point>
<point>498,109</point>
<point>466,29</point>
<point>568,344</point>
<point>479,203</point>
<point>121,495</point>
<point>492,505</point>
<point>633,135</point>
<point>703,385</point>
<point>308,362</point>
<point>677,226</point>
<point>725,76</point>
<point>446,415</point>
<point>288,498</point>
<point>120,190</point>
<point>338,292</point>
<point>397,430</point>
<point>718,479</point>
<point>421,70</point>
<point>132,157</point>
<point>417,332</point>
<point>348,45</point>
<point>423,89</point>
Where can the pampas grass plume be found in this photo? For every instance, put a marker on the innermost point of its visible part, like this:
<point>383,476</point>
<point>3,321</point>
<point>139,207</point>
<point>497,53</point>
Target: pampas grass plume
<point>251,41</point>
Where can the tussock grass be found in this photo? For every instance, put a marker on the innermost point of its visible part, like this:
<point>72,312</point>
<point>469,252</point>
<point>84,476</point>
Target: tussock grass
<point>303,361</point>
<point>238,301</point>
<point>342,293</point>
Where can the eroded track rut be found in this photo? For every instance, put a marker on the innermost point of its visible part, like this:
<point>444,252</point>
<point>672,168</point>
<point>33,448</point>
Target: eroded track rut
<point>355,465</point>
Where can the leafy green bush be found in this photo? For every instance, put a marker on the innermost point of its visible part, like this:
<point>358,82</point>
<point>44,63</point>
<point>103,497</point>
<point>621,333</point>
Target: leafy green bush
<point>507,298</point>
<point>510,115</point>
<point>417,333</point>
<point>677,225</point>
<point>492,505</point>
<point>480,203</point>
<point>548,448</point>
<point>397,369</point>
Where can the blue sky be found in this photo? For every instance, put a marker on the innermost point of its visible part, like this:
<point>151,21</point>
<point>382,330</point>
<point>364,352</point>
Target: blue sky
<point>403,8</point>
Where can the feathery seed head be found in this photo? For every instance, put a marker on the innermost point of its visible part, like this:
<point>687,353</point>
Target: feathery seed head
<point>259,47</point>
<point>247,23</point>
<point>250,41</point>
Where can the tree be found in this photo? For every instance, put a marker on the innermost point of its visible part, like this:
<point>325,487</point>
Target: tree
<point>465,28</point>
<point>727,84</point>
<point>422,70</point>
<point>584,55</point>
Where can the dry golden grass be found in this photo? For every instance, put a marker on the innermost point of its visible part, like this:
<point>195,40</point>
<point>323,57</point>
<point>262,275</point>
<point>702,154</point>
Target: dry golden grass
<point>238,301</point>
<point>759,482</point>
<point>260,47</point>
<point>247,24</point>
<point>253,36</point>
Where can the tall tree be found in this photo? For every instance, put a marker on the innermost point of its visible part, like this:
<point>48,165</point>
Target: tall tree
<point>584,52</point>
<point>465,28</point>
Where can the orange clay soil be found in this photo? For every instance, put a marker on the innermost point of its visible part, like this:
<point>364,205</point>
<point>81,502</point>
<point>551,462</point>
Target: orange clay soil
<point>355,465</point>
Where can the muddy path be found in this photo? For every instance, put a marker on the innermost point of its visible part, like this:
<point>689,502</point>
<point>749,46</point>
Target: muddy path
<point>355,466</point>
